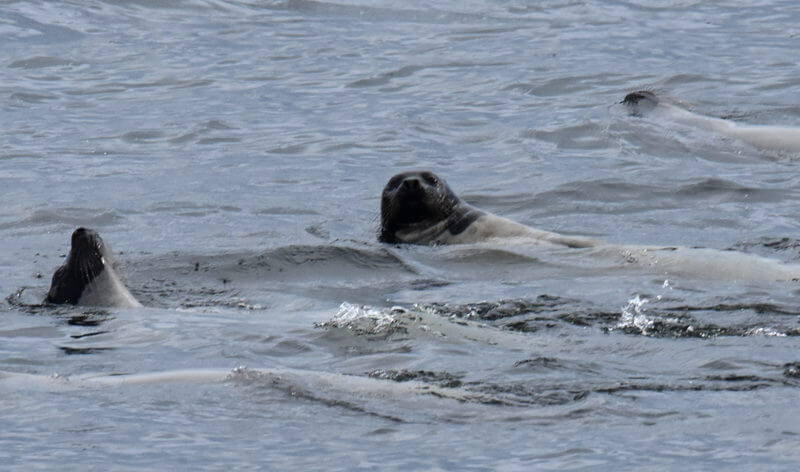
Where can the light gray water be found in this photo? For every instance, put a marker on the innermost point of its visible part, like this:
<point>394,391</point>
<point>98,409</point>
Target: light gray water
<point>232,154</point>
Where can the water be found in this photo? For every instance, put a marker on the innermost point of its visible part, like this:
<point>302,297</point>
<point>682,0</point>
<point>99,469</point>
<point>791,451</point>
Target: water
<point>232,154</point>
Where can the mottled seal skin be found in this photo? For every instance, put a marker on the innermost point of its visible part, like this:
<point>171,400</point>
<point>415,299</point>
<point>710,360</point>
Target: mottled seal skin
<point>87,277</point>
<point>418,207</point>
<point>780,138</point>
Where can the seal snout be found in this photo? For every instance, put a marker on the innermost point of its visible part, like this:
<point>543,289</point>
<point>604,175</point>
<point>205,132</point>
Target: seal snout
<point>411,184</point>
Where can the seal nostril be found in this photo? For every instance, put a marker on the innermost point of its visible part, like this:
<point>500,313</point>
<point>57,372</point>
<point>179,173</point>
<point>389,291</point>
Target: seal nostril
<point>411,184</point>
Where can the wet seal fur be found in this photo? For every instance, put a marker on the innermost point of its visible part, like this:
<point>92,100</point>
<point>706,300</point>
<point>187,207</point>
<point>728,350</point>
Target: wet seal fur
<point>418,207</point>
<point>87,277</point>
<point>780,138</point>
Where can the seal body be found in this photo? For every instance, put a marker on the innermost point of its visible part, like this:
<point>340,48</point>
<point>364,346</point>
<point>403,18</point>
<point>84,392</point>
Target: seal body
<point>88,277</point>
<point>419,207</point>
<point>781,138</point>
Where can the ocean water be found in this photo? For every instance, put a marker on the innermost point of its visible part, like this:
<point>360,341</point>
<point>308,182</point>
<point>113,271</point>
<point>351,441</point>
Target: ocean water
<point>232,154</point>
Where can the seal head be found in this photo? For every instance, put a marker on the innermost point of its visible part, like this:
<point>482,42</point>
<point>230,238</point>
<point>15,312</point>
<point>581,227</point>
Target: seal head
<point>419,206</point>
<point>640,102</point>
<point>85,262</point>
<point>88,277</point>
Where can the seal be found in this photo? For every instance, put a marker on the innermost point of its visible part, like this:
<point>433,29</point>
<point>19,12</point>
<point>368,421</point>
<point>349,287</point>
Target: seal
<point>418,207</point>
<point>87,277</point>
<point>779,138</point>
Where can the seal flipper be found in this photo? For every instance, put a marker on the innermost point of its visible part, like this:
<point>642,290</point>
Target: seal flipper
<point>65,287</point>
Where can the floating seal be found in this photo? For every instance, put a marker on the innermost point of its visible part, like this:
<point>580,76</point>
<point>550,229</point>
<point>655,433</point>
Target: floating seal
<point>419,207</point>
<point>88,277</point>
<point>780,138</point>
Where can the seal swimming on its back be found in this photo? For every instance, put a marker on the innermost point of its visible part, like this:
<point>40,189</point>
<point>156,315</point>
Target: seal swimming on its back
<point>87,277</point>
<point>419,207</point>
<point>781,138</point>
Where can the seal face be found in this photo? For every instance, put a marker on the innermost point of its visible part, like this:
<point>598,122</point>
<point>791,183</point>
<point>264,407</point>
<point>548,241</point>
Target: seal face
<point>419,207</point>
<point>87,277</point>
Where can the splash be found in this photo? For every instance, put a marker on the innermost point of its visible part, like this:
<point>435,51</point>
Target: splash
<point>633,316</point>
<point>364,319</point>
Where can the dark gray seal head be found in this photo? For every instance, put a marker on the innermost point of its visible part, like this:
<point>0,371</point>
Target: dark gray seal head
<point>419,207</point>
<point>87,276</point>
<point>640,102</point>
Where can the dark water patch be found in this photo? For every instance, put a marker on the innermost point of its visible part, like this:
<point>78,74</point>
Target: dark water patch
<point>286,211</point>
<point>83,350</point>
<point>792,370</point>
<point>67,217</point>
<point>544,364</point>
<point>528,394</point>
<point>502,309</point>
<point>142,136</point>
<point>30,97</point>
<point>442,379</point>
<point>38,62</point>
<point>512,394</point>
<point>683,321</point>
<point>366,13</point>
<point>621,197</point>
<point>219,140</point>
<point>544,312</point>
<point>760,308</point>
<point>561,86</point>
<point>188,293</point>
<point>407,71</point>
<point>327,260</point>
<point>787,248</point>
<point>538,363</point>
<point>90,318</point>
<point>707,322</point>
<point>721,190</point>
<point>711,384</point>
<point>25,29</point>
<point>87,335</point>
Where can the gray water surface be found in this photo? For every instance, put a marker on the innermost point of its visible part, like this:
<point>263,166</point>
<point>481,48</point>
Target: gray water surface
<point>233,153</point>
